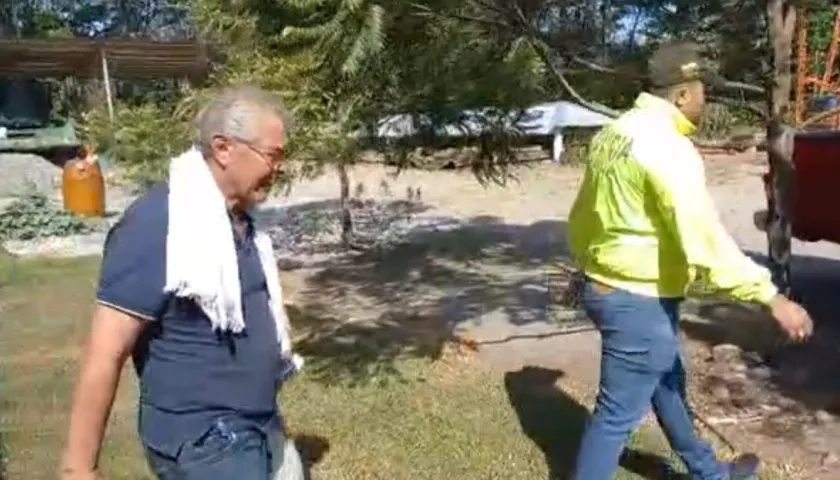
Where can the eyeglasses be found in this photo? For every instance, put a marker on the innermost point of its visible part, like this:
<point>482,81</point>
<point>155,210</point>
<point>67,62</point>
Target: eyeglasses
<point>273,159</point>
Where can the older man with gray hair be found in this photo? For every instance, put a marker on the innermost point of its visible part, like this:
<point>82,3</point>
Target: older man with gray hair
<point>189,288</point>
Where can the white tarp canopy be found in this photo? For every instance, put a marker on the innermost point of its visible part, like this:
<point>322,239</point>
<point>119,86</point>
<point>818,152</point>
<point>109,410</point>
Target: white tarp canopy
<point>539,120</point>
<point>548,118</point>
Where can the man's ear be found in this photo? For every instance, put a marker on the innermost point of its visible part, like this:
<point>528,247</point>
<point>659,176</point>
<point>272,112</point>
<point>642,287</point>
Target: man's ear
<point>220,148</point>
<point>682,96</point>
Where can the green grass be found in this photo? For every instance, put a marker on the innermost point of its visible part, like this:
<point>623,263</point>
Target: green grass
<point>447,418</point>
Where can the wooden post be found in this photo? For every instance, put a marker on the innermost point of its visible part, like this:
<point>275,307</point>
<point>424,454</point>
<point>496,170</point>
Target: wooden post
<point>782,21</point>
<point>106,79</point>
<point>801,68</point>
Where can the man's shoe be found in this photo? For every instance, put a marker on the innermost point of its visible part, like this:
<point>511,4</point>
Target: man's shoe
<point>744,467</point>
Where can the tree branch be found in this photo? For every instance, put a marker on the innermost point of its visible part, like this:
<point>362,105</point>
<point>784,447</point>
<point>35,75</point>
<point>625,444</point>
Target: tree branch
<point>734,103</point>
<point>537,45</point>
<point>727,84</point>
<point>536,39</point>
<point>820,117</point>
<point>526,29</point>
<point>428,12</point>
<point>747,87</point>
<point>561,79</point>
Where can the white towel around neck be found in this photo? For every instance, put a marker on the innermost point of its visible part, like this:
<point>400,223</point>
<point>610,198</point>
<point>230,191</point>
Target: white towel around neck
<point>201,253</point>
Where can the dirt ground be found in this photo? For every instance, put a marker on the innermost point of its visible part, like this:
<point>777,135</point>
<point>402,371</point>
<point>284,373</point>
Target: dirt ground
<point>491,276</point>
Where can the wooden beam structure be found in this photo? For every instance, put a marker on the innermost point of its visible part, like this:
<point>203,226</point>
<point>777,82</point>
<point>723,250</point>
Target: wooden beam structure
<point>82,58</point>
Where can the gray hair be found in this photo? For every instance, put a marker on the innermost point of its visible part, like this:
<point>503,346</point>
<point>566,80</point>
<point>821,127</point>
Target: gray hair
<point>233,113</point>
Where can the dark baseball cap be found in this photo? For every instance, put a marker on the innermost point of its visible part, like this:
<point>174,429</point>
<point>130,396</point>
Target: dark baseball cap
<point>678,62</point>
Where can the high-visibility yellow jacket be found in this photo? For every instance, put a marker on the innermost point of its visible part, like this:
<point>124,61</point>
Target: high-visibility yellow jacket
<point>643,220</point>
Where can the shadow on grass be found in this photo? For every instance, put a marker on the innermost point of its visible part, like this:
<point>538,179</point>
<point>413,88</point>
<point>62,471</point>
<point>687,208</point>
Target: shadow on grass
<point>362,313</point>
<point>555,422</point>
<point>807,373</point>
<point>360,353</point>
<point>3,454</point>
<point>311,448</point>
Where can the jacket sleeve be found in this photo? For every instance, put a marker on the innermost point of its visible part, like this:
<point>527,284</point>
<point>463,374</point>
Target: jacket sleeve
<point>677,185</point>
<point>577,228</point>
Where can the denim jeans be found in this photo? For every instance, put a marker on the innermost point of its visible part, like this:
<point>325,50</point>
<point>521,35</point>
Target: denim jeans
<point>641,367</point>
<point>231,449</point>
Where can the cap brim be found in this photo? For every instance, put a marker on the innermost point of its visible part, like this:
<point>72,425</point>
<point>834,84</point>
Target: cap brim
<point>712,79</point>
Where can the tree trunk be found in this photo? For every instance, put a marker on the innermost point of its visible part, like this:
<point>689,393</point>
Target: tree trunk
<point>344,205</point>
<point>781,16</point>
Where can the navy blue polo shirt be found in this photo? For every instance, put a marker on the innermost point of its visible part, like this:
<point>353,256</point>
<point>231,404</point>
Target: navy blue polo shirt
<point>189,374</point>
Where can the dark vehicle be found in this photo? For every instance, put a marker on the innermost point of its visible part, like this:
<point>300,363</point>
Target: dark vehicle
<point>29,125</point>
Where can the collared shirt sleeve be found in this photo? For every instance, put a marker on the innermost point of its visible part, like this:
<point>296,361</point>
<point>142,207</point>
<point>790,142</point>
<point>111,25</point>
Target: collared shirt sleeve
<point>677,188</point>
<point>133,271</point>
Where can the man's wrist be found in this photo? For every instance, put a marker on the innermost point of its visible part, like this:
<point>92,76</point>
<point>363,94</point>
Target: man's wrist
<point>68,467</point>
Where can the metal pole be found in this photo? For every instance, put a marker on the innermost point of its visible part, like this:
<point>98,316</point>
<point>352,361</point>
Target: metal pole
<point>106,78</point>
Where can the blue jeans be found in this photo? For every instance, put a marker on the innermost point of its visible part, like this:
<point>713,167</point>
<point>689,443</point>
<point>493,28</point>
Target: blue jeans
<point>640,366</point>
<point>231,449</point>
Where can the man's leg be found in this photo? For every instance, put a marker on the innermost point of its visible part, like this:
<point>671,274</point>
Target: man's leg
<point>675,418</point>
<point>670,403</point>
<point>637,349</point>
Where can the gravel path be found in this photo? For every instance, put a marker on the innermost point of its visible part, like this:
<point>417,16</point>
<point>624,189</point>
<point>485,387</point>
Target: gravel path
<point>422,199</point>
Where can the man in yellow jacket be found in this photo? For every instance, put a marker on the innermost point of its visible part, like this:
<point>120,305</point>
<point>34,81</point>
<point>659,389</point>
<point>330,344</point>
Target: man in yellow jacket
<point>642,229</point>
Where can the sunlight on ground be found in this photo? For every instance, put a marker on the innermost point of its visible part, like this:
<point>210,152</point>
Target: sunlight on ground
<point>446,418</point>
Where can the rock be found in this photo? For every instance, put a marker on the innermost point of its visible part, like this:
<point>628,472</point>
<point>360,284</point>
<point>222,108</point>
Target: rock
<point>726,353</point>
<point>821,416</point>
<point>284,263</point>
<point>27,173</point>
<point>752,359</point>
<point>720,393</point>
<point>787,403</point>
<point>735,377</point>
<point>739,367</point>
<point>761,372</point>
<point>829,459</point>
<point>6,201</point>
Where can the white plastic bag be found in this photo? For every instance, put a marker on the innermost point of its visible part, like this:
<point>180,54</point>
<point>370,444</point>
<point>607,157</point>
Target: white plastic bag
<point>292,466</point>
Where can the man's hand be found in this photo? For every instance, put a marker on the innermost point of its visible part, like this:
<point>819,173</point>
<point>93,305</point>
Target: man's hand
<point>792,318</point>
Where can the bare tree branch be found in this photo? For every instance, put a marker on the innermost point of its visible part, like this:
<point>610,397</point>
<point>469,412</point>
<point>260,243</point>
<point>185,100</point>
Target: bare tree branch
<point>748,87</point>
<point>561,79</point>
<point>537,45</point>
<point>734,103</point>
<point>727,84</point>
<point>596,67</point>
<point>820,117</point>
<point>428,12</point>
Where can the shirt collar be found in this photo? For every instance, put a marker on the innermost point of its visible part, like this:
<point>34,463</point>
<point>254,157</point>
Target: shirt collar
<point>249,223</point>
<point>650,102</point>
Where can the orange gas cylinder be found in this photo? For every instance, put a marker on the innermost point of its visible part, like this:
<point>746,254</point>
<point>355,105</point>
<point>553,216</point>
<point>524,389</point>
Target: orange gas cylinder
<point>83,187</point>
